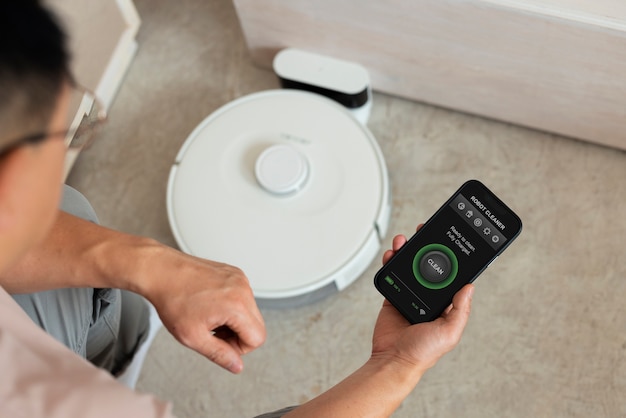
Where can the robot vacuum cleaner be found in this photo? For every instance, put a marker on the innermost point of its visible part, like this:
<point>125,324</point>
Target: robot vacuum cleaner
<point>286,185</point>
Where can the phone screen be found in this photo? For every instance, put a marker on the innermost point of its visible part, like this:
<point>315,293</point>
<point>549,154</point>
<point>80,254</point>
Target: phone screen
<point>463,237</point>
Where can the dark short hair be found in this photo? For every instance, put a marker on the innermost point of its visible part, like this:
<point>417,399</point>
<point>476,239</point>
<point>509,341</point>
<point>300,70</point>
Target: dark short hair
<point>34,64</point>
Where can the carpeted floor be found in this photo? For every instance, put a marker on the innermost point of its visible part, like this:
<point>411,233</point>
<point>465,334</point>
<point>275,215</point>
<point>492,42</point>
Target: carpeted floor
<point>547,336</point>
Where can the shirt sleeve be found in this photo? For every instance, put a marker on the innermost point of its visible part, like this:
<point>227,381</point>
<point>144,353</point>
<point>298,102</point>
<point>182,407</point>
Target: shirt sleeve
<point>42,378</point>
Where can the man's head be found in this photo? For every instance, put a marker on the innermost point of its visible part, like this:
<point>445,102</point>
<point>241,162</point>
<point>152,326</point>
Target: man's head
<point>34,95</point>
<point>33,68</point>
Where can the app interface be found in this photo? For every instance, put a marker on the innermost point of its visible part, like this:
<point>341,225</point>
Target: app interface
<point>445,255</point>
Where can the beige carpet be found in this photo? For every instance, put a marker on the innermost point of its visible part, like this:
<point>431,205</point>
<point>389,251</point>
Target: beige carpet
<point>547,336</point>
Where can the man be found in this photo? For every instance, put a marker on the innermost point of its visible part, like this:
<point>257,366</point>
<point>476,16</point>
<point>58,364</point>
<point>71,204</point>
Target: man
<point>62,269</point>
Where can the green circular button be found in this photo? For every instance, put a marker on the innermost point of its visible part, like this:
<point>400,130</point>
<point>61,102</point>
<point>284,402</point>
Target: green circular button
<point>435,257</point>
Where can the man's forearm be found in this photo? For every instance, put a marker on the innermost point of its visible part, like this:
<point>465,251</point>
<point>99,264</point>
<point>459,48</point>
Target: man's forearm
<point>375,390</point>
<point>193,296</point>
<point>78,253</point>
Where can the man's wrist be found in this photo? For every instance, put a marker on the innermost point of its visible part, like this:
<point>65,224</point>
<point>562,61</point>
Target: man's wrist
<point>125,261</point>
<point>404,372</point>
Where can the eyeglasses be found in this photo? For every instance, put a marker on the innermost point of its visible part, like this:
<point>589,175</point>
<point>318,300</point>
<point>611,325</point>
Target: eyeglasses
<point>80,136</point>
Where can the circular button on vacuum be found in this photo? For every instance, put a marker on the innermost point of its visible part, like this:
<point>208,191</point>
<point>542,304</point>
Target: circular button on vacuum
<point>435,266</point>
<point>281,169</point>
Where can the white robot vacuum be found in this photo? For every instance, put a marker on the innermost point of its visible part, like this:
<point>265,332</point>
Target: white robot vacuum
<point>286,185</point>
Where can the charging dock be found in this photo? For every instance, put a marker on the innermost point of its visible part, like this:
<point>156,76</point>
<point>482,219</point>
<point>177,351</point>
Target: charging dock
<point>345,82</point>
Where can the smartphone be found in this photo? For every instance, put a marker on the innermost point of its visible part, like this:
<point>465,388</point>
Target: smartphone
<point>452,248</point>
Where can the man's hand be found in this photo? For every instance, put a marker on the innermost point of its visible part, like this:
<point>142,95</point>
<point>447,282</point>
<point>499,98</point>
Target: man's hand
<point>422,344</point>
<point>401,353</point>
<point>207,306</point>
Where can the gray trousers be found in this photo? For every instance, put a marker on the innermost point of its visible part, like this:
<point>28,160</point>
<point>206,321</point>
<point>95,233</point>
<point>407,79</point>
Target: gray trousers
<point>105,326</point>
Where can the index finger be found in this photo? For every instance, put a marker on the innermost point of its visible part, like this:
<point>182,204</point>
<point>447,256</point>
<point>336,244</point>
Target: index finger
<point>227,343</point>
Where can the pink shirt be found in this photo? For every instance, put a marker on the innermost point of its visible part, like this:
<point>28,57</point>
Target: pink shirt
<point>39,377</point>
